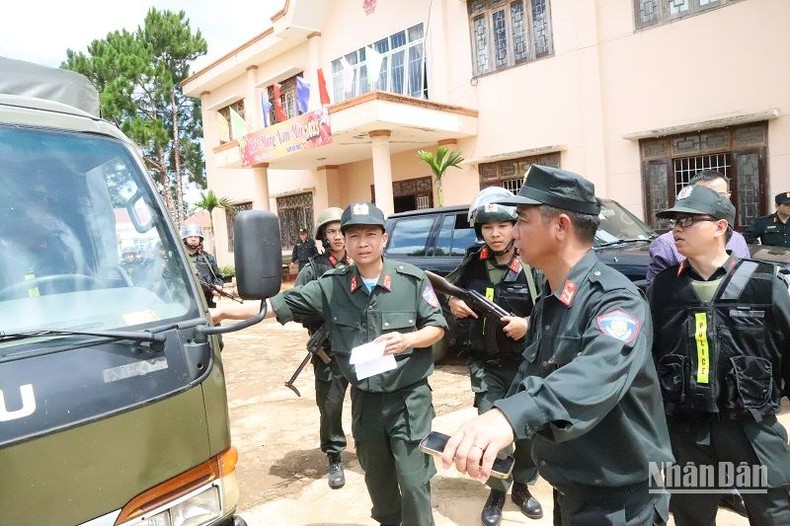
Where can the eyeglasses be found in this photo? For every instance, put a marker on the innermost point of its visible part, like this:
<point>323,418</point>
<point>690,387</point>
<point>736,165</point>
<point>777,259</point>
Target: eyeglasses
<point>687,221</point>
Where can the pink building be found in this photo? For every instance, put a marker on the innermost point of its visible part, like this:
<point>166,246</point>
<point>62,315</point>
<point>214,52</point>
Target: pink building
<point>636,95</point>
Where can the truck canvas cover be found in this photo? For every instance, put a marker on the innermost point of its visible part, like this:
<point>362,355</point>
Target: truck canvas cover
<point>31,80</point>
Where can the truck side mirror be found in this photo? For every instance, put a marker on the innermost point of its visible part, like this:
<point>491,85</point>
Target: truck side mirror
<point>258,255</point>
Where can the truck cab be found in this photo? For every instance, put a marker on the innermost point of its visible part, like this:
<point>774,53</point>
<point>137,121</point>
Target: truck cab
<point>113,409</point>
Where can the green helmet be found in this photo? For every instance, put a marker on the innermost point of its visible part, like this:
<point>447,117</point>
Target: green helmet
<point>484,209</point>
<point>330,215</point>
<point>362,213</point>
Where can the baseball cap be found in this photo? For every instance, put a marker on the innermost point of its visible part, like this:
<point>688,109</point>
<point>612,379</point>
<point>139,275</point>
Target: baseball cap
<point>363,213</point>
<point>544,185</point>
<point>782,199</point>
<point>696,199</point>
<point>303,230</point>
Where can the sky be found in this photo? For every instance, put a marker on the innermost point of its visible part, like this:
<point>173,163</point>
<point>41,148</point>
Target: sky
<point>41,31</point>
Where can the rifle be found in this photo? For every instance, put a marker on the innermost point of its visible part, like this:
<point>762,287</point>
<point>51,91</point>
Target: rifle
<point>476,301</point>
<point>208,287</point>
<point>315,346</point>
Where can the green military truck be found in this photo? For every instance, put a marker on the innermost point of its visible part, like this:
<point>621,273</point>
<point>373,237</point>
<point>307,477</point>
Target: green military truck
<point>113,408</point>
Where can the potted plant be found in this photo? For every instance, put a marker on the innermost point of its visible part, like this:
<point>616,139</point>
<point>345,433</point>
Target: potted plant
<point>439,163</point>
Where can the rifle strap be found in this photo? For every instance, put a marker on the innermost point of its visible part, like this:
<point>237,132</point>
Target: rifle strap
<point>533,289</point>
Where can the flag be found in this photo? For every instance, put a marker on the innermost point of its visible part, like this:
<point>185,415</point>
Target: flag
<point>278,104</point>
<point>266,108</point>
<point>322,88</point>
<point>224,129</point>
<point>237,124</point>
<point>348,76</point>
<point>374,60</point>
<point>302,95</point>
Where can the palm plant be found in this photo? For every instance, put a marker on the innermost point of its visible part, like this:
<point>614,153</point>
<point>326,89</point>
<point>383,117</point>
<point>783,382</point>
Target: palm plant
<point>208,202</point>
<point>439,163</point>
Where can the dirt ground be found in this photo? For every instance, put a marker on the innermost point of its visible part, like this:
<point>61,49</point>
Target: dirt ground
<point>281,470</point>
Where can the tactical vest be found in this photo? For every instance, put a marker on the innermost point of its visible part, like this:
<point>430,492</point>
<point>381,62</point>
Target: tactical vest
<point>485,337</point>
<point>722,356</point>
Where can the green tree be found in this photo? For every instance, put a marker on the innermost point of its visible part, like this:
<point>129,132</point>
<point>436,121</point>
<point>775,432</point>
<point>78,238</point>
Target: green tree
<point>139,77</point>
<point>439,163</point>
<point>208,202</point>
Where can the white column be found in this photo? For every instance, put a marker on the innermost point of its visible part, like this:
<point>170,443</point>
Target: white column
<point>382,170</point>
<point>260,197</point>
<point>252,102</point>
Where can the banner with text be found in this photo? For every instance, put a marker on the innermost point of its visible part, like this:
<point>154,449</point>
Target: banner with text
<point>304,132</point>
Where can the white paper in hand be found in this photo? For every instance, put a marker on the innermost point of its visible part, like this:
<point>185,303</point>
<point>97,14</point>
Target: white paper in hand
<point>369,359</point>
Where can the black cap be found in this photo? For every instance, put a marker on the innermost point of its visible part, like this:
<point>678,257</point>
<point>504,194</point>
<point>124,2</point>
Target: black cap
<point>699,200</point>
<point>302,230</point>
<point>782,199</point>
<point>544,185</point>
<point>363,213</point>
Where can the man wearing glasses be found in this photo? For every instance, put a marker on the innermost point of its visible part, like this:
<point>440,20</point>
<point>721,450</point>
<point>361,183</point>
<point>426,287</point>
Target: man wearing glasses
<point>722,349</point>
<point>664,254</point>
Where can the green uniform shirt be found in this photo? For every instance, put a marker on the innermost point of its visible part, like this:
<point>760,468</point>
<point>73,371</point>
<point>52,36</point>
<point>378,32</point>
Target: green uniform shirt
<point>402,300</point>
<point>770,231</point>
<point>588,390</point>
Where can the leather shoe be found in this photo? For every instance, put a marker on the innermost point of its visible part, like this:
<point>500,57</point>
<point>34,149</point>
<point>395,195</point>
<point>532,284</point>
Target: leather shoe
<point>528,504</point>
<point>492,511</point>
<point>337,477</point>
<point>734,502</point>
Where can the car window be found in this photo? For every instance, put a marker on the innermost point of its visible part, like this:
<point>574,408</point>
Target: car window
<point>618,224</point>
<point>409,236</point>
<point>455,236</point>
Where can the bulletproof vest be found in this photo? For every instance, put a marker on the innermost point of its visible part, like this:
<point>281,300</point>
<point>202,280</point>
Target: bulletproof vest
<point>483,336</point>
<point>723,355</point>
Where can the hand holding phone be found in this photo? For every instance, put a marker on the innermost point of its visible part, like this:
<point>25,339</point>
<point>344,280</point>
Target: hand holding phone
<point>434,444</point>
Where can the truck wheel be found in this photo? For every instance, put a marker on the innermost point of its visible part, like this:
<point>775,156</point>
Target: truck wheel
<point>238,521</point>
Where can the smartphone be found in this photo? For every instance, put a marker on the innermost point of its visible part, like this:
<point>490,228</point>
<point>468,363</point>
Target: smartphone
<point>434,443</point>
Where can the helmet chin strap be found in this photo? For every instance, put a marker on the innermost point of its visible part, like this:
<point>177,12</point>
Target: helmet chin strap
<point>503,251</point>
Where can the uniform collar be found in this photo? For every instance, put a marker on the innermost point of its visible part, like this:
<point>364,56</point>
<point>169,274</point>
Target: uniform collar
<point>334,261</point>
<point>486,254</point>
<point>385,278</point>
<point>566,294</point>
<point>686,268</point>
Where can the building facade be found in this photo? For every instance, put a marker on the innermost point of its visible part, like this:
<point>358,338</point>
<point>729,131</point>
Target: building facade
<point>636,95</point>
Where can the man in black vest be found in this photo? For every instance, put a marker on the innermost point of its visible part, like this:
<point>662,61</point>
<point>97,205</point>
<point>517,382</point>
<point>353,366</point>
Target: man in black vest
<point>495,271</point>
<point>722,338</point>
<point>330,384</point>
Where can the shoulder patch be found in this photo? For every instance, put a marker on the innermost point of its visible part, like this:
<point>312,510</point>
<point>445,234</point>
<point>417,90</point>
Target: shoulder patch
<point>429,297</point>
<point>619,325</point>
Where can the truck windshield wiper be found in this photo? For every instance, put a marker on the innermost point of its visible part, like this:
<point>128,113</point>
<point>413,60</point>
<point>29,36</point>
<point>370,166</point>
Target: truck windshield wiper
<point>138,336</point>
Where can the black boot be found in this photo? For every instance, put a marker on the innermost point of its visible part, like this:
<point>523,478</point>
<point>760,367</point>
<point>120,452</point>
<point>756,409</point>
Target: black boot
<point>492,511</point>
<point>528,504</point>
<point>337,478</point>
<point>733,501</point>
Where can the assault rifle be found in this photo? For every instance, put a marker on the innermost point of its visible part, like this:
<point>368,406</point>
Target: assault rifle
<point>208,287</point>
<point>476,301</point>
<point>315,346</point>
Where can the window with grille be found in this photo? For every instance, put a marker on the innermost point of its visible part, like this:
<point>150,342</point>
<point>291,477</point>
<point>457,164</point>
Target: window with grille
<point>287,98</point>
<point>399,59</point>
<point>668,163</point>
<point>295,212</point>
<point>508,33</point>
<point>510,174</point>
<point>649,13</point>
<point>231,123</point>
<point>230,221</point>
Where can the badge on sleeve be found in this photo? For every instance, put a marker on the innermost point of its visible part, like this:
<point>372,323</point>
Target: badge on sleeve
<point>429,296</point>
<point>619,324</point>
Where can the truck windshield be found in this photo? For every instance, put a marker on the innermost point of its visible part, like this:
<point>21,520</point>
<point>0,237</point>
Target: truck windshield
<point>83,244</point>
